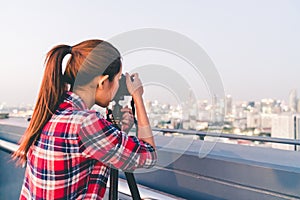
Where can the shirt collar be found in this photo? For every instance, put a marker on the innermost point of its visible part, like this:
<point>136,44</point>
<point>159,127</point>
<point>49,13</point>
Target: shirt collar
<point>75,100</point>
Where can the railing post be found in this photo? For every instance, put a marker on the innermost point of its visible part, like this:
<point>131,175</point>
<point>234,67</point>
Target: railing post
<point>295,131</point>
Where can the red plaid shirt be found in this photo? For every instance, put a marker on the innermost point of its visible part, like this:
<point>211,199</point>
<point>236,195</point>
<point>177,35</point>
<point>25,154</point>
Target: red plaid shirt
<point>71,158</point>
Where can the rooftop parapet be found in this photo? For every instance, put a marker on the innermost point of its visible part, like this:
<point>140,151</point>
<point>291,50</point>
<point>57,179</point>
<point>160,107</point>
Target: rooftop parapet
<point>228,171</point>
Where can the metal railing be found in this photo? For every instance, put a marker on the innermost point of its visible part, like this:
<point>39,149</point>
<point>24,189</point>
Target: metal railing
<point>230,136</point>
<point>8,146</point>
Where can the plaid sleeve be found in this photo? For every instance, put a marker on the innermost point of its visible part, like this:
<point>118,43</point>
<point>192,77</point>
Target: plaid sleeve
<point>102,141</point>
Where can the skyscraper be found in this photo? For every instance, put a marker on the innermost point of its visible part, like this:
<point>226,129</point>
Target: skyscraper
<point>228,105</point>
<point>298,106</point>
<point>293,101</point>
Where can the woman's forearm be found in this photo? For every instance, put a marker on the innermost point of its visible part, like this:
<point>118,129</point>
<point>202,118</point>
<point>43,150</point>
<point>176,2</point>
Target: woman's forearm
<point>144,128</point>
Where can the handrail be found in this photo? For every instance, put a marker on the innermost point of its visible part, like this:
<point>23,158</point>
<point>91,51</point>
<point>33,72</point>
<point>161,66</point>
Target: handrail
<point>8,146</point>
<point>230,136</point>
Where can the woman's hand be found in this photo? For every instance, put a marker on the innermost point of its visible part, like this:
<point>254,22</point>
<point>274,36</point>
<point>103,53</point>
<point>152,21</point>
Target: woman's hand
<point>134,85</point>
<point>127,119</point>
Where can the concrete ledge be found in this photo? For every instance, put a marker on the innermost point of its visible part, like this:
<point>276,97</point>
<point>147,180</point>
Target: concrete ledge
<point>227,171</point>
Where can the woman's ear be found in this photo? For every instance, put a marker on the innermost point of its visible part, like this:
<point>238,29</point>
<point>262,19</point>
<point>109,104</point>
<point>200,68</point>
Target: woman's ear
<point>101,80</point>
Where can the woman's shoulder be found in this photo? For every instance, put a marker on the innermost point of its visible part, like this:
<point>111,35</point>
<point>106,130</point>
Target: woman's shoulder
<point>92,116</point>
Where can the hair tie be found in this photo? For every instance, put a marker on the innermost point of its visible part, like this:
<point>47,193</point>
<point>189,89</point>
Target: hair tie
<point>70,49</point>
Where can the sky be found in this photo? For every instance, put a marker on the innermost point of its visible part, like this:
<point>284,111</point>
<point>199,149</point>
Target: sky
<point>254,44</point>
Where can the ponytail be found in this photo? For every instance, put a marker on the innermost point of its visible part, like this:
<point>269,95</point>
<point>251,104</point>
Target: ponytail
<point>49,97</point>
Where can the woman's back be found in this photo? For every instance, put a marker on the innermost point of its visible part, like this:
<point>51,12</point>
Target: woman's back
<point>63,165</point>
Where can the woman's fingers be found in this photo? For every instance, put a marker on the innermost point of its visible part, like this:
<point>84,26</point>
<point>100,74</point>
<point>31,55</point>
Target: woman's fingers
<point>127,119</point>
<point>134,84</point>
<point>126,109</point>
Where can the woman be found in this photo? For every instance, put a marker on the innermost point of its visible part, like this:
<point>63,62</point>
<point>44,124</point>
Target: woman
<point>69,148</point>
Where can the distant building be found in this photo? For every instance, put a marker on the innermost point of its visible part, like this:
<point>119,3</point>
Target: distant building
<point>228,105</point>
<point>204,115</point>
<point>251,104</point>
<point>277,107</point>
<point>217,109</point>
<point>293,101</point>
<point>298,106</point>
<point>266,106</point>
<point>266,121</point>
<point>253,120</point>
<point>285,126</point>
<point>213,111</point>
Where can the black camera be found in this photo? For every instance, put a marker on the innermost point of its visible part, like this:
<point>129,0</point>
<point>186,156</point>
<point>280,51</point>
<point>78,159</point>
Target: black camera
<point>119,97</point>
<point>122,91</point>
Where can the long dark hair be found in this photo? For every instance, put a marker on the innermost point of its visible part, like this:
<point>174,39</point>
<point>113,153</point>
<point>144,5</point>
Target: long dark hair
<point>88,59</point>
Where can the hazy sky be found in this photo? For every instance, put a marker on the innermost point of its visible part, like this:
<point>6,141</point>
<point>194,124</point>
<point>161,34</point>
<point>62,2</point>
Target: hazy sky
<point>254,44</point>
